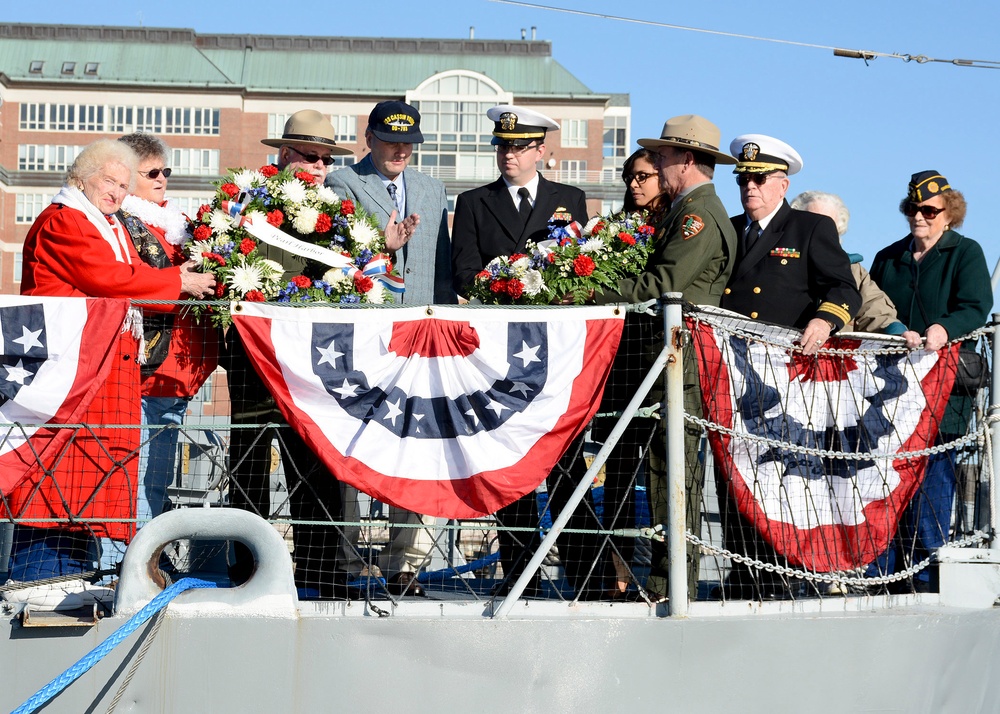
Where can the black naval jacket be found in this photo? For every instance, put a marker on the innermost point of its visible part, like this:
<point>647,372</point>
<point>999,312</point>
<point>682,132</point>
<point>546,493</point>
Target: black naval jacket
<point>795,271</point>
<point>487,224</point>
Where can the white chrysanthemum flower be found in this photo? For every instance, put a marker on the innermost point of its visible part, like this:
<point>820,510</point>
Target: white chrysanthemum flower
<point>199,247</point>
<point>362,233</point>
<point>220,222</point>
<point>271,268</point>
<point>521,264</point>
<point>248,178</point>
<point>293,191</point>
<point>533,282</point>
<point>338,279</point>
<point>376,296</point>
<point>594,245</point>
<point>245,278</point>
<point>614,228</point>
<point>589,228</point>
<point>305,221</point>
<point>327,195</point>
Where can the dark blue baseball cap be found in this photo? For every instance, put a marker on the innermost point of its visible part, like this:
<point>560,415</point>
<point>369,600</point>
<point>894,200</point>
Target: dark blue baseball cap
<point>395,122</point>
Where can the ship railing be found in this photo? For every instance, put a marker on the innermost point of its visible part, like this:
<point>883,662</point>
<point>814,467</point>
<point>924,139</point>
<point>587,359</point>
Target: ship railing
<point>617,524</point>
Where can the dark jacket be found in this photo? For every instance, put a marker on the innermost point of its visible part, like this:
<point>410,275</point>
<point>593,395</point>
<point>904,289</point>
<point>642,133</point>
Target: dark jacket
<point>795,271</point>
<point>487,224</point>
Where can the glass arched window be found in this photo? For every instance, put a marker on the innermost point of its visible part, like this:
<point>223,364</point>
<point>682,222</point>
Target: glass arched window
<point>453,120</point>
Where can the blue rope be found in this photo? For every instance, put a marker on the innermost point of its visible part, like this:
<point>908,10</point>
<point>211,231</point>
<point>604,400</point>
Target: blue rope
<point>445,573</point>
<point>76,671</point>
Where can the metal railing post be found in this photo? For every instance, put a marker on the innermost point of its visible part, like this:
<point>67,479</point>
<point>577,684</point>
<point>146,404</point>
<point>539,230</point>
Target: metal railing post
<point>993,416</point>
<point>676,511</point>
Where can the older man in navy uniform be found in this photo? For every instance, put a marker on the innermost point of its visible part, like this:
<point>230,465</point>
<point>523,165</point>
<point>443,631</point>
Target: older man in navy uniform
<point>790,270</point>
<point>501,217</point>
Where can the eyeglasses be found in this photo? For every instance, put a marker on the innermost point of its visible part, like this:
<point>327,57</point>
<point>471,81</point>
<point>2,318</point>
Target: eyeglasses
<point>640,177</point>
<point>313,158</point>
<point>515,150</point>
<point>928,212</point>
<point>155,173</point>
<point>744,179</point>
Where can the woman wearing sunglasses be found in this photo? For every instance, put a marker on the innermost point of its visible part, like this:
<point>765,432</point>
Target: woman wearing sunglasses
<point>940,284</point>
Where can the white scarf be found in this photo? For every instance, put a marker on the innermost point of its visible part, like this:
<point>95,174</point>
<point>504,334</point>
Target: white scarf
<point>74,198</point>
<point>168,217</point>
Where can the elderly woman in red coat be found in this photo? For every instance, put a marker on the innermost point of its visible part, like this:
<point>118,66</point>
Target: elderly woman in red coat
<point>77,248</point>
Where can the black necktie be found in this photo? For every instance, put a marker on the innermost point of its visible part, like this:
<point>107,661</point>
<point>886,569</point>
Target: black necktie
<point>753,232</point>
<point>524,208</point>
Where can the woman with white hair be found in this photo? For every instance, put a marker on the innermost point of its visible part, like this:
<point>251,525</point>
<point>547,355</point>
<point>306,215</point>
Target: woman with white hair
<point>78,248</point>
<point>877,313</point>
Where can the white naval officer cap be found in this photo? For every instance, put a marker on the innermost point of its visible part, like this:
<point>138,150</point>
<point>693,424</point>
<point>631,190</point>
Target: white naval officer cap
<point>759,154</point>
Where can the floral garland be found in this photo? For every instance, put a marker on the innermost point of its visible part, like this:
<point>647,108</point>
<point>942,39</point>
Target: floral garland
<point>249,204</point>
<point>571,265</point>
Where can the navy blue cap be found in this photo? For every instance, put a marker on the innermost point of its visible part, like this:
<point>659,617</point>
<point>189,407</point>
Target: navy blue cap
<point>395,122</point>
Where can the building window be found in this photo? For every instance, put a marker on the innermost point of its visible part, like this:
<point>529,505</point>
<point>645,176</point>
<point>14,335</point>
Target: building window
<point>91,68</point>
<point>276,125</point>
<point>189,205</point>
<point>615,141</point>
<point>18,263</point>
<point>69,67</point>
<point>611,205</point>
<point>119,119</point>
<point>345,128</point>
<point>46,157</point>
<point>29,205</point>
<point>457,134</point>
<point>343,160</point>
<point>573,134</point>
<point>195,162</point>
<point>573,171</point>
<point>35,67</point>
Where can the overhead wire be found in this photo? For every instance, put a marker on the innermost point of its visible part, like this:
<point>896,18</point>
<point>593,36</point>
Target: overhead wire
<point>865,55</point>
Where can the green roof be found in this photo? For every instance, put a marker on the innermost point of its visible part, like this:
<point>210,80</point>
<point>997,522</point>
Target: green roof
<point>180,58</point>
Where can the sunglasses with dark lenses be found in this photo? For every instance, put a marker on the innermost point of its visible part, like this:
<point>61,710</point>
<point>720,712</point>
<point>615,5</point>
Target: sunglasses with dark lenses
<point>313,158</point>
<point>758,179</point>
<point>155,173</point>
<point>928,212</point>
<point>640,176</point>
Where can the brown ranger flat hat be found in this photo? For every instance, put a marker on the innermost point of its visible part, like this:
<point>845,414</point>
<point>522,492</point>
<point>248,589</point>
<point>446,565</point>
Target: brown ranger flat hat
<point>691,132</point>
<point>308,128</point>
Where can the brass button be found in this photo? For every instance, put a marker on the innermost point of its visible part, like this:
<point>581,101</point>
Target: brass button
<point>727,291</point>
<point>756,291</point>
<point>753,315</point>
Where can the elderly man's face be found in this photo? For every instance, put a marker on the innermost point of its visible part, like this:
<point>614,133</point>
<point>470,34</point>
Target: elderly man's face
<point>107,188</point>
<point>389,158</point>
<point>305,157</point>
<point>759,200</point>
<point>672,166</point>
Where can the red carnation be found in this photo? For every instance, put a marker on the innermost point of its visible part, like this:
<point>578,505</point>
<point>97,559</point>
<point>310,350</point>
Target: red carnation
<point>202,210</point>
<point>202,232</point>
<point>516,257</point>
<point>626,238</point>
<point>583,265</point>
<point>230,189</point>
<point>598,227</point>
<point>499,286</point>
<point>347,207</point>
<point>220,289</point>
<point>482,274</point>
<point>305,176</point>
<point>323,223</point>
<point>269,170</point>
<point>275,218</point>
<point>214,256</point>
<point>302,281</point>
<point>254,296</point>
<point>247,246</point>
<point>362,282</point>
<point>551,257</point>
<point>515,288</point>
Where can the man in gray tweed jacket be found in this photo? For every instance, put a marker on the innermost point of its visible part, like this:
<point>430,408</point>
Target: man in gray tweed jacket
<point>385,187</point>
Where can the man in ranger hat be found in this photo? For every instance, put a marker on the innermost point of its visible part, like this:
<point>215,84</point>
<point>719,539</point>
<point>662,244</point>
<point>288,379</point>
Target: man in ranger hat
<point>501,217</point>
<point>694,253</point>
<point>790,270</point>
<point>498,219</point>
<point>384,185</point>
<point>307,144</point>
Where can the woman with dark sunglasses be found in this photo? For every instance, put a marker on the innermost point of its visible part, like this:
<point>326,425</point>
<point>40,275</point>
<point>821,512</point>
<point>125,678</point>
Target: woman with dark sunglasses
<point>940,284</point>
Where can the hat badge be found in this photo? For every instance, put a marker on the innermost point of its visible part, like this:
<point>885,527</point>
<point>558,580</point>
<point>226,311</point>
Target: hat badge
<point>508,120</point>
<point>750,151</point>
<point>932,187</point>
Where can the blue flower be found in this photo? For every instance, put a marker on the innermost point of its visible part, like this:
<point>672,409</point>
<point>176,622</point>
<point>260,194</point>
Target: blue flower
<point>349,299</point>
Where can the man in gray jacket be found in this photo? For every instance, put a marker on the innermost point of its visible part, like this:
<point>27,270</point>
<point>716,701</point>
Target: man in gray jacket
<point>383,185</point>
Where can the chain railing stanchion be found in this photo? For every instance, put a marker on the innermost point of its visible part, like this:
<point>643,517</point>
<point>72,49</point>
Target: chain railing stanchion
<point>676,511</point>
<point>993,419</point>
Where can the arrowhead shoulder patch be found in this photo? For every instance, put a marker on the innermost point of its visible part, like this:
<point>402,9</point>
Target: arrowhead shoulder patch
<point>691,225</point>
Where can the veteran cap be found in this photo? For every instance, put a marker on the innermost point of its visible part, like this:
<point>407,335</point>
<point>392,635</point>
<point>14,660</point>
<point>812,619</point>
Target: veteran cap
<point>395,122</point>
<point>693,133</point>
<point>518,126</point>
<point>925,184</point>
<point>309,128</point>
<point>760,154</point>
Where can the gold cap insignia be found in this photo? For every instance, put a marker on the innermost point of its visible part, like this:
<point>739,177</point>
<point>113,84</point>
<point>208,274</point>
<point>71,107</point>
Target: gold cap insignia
<point>750,151</point>
<point>508,120</point>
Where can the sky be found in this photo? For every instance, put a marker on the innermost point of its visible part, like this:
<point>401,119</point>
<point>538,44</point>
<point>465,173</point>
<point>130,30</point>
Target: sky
<point>862,130</point>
